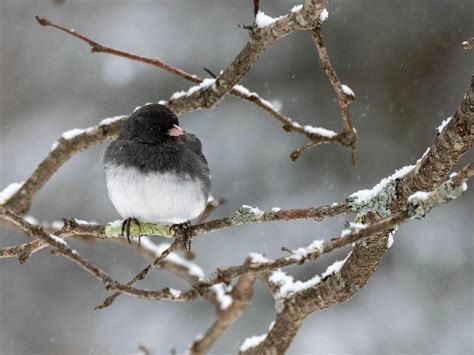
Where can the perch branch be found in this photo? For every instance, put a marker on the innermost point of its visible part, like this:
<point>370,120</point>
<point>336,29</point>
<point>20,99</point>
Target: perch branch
<point>450,190</point>
<point>245,215</point>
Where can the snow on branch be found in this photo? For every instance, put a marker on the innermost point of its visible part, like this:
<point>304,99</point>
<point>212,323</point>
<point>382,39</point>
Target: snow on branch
<point>70,143</point>
<point>377,198</point>
<point>344,93</point>
<point>206,94</point>
<point>409,194</point>
<point>431,177</point>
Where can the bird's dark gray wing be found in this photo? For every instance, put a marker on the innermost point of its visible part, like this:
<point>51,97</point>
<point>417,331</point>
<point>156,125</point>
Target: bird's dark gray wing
<point>195,145</point>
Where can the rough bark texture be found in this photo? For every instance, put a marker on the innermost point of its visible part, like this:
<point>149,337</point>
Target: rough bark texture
<point>453,141</point>
<point>430,174</point>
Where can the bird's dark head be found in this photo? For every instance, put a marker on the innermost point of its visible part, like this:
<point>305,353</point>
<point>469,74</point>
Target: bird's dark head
<point>152,123</point>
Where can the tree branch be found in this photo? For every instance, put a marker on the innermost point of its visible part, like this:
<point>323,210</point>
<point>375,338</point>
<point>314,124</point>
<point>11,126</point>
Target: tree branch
<point>245,215</point>
<point>68,145</point>
<point>99,48</point>
<point>241,296</point>
<point>452,142</point>
<point>57,244</point>
<point>343,93</point>
<point>260,38</point>
<point>205,97</point>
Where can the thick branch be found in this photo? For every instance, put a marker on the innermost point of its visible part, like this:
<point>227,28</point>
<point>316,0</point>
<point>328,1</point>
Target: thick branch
<point>365,255</point>
<point>238,90</point>
<point>260,38</point>
<point>453,141</point>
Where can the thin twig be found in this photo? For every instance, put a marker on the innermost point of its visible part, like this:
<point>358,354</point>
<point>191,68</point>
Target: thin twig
<point>256,6</point>
<point>343,97</point>
<point>178,242</point>
<point>23,251</point>
<point>58,245</point>
<point>99,48</point>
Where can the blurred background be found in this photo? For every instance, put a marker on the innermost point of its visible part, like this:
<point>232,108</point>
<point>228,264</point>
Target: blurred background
<point>405,63</point>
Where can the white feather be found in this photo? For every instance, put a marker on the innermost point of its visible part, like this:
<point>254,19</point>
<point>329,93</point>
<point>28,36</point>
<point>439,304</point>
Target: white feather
<point>152,197</point>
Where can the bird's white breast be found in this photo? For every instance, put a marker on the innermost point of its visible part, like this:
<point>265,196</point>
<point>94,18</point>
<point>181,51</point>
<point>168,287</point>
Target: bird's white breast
<point>154,197</point>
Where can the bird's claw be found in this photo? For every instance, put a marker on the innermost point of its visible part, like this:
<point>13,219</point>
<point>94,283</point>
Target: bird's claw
<point>184,230</point>
<point>126,224</point>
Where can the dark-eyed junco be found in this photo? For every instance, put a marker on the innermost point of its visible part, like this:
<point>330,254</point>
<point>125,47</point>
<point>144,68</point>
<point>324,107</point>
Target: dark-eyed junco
<point>155,171</point>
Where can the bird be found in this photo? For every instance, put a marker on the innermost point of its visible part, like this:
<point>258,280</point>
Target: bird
<point>155,172</point>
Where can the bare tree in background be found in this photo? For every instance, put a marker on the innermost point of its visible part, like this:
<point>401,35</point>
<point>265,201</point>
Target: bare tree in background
<point>409,193</point>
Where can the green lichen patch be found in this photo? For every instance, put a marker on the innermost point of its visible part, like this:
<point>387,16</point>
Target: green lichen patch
<point>377,204</point>
<point>420,203</point>
<point>113,230</point>
<point>247,214</point>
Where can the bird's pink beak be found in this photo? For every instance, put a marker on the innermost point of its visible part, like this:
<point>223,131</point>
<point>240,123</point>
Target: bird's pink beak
<point>176,131</point>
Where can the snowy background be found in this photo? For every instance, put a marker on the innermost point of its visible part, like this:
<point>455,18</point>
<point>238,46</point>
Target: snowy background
<point>403,60</point>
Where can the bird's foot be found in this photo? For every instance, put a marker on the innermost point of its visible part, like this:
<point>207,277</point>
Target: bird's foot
<point>184,230</point>
<point>126,224</point>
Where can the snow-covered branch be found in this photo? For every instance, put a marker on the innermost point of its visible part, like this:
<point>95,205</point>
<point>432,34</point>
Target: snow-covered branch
<point>411,192</point>
<point>206,94</point>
